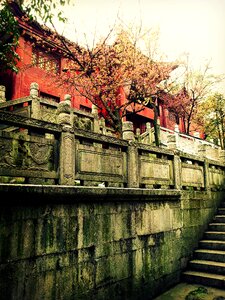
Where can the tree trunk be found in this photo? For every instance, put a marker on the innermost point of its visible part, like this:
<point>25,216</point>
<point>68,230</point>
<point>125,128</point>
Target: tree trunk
<point>156,126</point>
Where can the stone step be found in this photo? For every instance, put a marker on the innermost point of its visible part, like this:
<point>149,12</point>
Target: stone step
<point>204,278</point>
<point>221,211</point>
<point>214,235</point>
<point>217,227</point>
<point>219,219</point>
<point>207,266</point>
<point>212,244</point>
<point>207,254</point>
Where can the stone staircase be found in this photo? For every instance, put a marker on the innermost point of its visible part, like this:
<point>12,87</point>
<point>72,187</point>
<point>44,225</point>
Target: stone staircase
<point>208,264</point>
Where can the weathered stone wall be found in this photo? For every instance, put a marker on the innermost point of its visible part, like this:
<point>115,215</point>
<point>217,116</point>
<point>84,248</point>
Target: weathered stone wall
<point>97,243</point>
<point>128,240</point>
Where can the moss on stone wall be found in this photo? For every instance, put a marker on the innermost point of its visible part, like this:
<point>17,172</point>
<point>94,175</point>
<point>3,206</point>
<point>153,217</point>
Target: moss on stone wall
<point>99,250</point>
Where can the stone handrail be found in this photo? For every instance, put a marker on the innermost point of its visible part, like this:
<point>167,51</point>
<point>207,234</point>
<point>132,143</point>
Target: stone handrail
<point>34,106</point>
<point>184,142</point>
<point>49,153</point>
<point>44,109</point>
<point>34,150</point>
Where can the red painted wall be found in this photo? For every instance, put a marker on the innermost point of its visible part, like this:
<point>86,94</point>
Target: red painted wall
<point>20,87</point>
<point>20,83</point>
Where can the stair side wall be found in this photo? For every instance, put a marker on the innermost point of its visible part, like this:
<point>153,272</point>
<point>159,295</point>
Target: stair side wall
<point>97,243</point>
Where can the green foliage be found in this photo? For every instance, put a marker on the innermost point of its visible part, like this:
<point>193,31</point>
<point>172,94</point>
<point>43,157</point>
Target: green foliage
<point>46,9</point>
<point>9,30</point>
<point>9,35</point>
<point>198,294</point>
<point>212,115</point>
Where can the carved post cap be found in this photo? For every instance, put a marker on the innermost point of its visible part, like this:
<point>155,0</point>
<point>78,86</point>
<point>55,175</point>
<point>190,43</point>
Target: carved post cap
<point>202,150</point>
<point>63,113</point>
<point>196,134</point>
<point>34,88</point>
<point>148,125</point>
<point>202,147</point>
<point>67,98</point>
<point>128,130</point>
<point>171,138</point>
<point>171,141</point>
<point>222,155</point>
<point>2,88</point>
<point>94,109</point>
<point>127,126</point>
<point>2,93</point>
<point>176,128</point>
<point>138,131</point>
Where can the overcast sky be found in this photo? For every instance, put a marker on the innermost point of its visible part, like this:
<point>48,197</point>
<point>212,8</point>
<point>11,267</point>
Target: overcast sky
<point>196,27</point>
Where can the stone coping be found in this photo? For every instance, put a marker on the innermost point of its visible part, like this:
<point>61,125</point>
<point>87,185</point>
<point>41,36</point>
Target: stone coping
<point>35,194</point>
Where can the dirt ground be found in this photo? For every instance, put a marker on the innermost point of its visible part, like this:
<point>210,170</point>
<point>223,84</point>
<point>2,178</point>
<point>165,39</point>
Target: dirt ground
<point>185,291</point>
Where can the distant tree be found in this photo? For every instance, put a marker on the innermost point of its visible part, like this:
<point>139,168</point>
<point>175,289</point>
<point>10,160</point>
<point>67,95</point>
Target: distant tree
<point>118,78</point>
<point>9,30</point>
<point>185,93</point>
<point>44,10</point>
<point>9,35</point>
<point>211,116</point>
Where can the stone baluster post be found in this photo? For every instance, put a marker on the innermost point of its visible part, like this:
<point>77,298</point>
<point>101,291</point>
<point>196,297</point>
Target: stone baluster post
<point>149,130</point>
<point>35,103</point>
<point>222,155</point>
<point>132,155</point>
<point>177,136</point>
<point>177,171</point>
<point>102,126</point>
<point>128,131</point>
<point>138,134</point>
<point>67,143</point>
<point>2,94</point>
<point>206,175</point>
<point>94,111</point>
<point>202,151</point>
<point>67,99</point>
<point>171,143</point>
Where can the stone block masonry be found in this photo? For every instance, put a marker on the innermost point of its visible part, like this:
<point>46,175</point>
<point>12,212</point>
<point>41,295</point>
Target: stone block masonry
<point>59,242</point>
<point>62,236</point>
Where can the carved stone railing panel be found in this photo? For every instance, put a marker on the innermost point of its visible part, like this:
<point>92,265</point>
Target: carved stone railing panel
<point>40,152</point>
<point>48,114</point>
<point>155,171</point>
<point>14,103</point>
<point>216,177</point>
<point>100,165</point>
<point>25,156</point>
<point>183,142</point>
<point>96,137</point>
<point>192,175</point>
<point>83,123</point>
<point>29,123</point>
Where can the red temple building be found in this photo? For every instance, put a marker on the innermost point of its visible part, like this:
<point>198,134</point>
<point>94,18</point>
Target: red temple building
<point>35,64</point>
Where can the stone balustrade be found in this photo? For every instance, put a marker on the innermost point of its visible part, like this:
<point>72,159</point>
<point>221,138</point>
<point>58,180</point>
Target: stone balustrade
<point>50,153</point>
<point>44,109</point>
<point>80,150</point>
<point>85,214</point>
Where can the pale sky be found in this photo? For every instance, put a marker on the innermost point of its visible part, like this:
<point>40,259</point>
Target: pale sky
<point>196,27</point>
